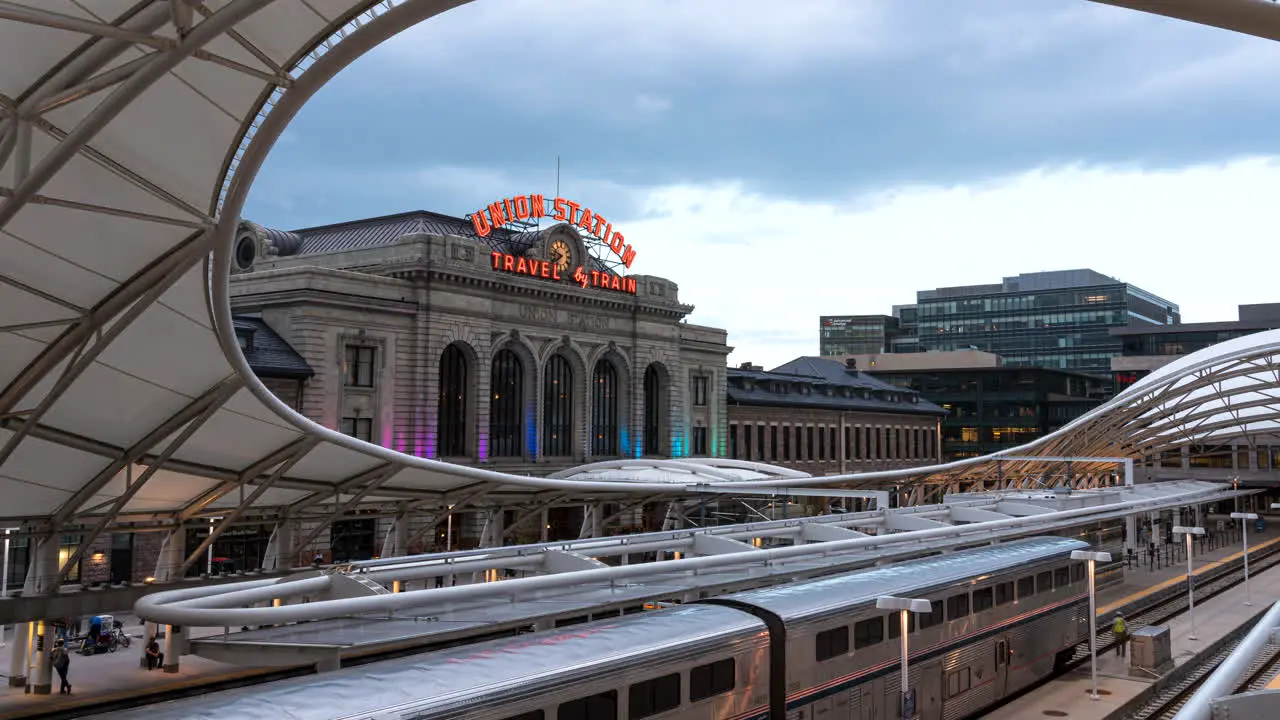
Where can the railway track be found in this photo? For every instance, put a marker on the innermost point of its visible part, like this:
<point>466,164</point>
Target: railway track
<point>1172,601</point>
<point>1168,701</point>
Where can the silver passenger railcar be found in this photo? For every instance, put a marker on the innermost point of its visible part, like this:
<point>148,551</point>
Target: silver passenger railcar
<point>1003,616</point>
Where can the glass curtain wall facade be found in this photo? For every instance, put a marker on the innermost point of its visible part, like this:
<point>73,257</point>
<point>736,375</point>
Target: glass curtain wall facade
<point>1064,328</point>
<point>991,409</point>
<point>857,334</point>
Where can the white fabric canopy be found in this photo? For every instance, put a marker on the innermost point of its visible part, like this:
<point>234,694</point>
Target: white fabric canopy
<point>129,135</point>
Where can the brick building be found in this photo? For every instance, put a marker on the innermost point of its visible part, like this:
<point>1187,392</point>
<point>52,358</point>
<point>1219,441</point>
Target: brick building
<point>824,417</point>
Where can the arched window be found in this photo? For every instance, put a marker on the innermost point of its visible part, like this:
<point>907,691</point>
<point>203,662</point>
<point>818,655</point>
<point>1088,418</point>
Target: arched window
<point>655,404</point>
<point>452,414</point>
<point>506,406</point>
<point>604,410</point>
<point>557,408</point>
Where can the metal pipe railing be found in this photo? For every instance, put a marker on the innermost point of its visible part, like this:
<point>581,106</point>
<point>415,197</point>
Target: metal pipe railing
<point>1231,672</point>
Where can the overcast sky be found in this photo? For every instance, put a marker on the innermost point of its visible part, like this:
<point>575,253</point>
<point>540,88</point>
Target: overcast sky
<point>781,161</point>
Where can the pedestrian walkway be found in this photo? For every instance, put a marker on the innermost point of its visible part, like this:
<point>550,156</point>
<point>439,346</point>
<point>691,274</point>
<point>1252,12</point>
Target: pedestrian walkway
<point>1068,698</point>
<point>112,677</point>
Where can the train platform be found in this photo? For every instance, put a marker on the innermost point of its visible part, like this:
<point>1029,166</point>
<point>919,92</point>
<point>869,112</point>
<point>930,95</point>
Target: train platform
<point>114,678</point>
<point>1068,697</point>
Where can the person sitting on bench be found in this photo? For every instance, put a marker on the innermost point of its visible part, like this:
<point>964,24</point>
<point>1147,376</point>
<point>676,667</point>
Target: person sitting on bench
<point>155,658</point>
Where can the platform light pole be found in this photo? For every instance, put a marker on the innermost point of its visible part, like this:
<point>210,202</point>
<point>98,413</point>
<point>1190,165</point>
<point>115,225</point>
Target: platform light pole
<point>903,606</point>
<point>1092,558</point>
<point>1244,518</point>
<point>1191,593</point>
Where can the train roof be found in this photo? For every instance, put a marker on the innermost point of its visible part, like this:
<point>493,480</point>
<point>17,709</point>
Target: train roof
<point>796,601</point>
<point>459,675</point>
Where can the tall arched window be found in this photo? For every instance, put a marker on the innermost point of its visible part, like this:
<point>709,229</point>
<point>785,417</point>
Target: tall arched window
<point>655,403</point>
<point>604,409</point>
<point>452,414</point>
<point>557,408</point>
<point>506,406</point>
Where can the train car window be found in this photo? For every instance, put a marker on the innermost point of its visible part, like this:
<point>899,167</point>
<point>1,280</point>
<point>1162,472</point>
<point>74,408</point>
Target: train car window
<point>934,617</point>
<point>531,715</point>
<point>603,706</point>
<point>1004,593</point>
<point>1026,587</point>
<point>1044,581</point>
<point>654,696</point>
<point>894,624</point>
<point>712,679</point>
<point>1062,576</point>
<point>868,632</point>
<point>958,606</point>
<point>983,599</point>
<point>1077,572</point>
<point>832,643</point>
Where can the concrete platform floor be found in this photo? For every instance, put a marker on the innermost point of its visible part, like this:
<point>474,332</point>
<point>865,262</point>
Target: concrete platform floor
<point>1215,618</point>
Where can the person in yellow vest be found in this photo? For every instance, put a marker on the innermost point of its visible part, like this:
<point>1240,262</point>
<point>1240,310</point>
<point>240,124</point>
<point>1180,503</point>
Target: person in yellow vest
<point>1120,631</point>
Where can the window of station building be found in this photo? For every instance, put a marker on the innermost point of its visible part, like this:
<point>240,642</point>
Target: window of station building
<point>603,706</point>
<point>506,405</point>
<point>786,442</point>
<point>893,625</point>
<point>357,368</point>
<point>1026,587</point>
<point>958,606</point>
<point>654,696</point>
<point>868,632</point>
<point>1062,576</point>
<point>557,408</point>
<point>733,440</point>
<point>831,443</point>
<point>712,679</point>
<point>699,390</point>
<point>655,410</point>
<point>699,440</point>
<point>1044,581</point>
<point>809,443</point>
<point>822,443</point>
<point>357,427</point>
<point>848,442</point>
<point>773,442</point>
<point>832,643</point>
<point>604,409</point>
<point>353,539</point>
<point>452,404</point>
<point>746,442</point>
<point>760,440</point>
<point>1004,593</point>
<point>983,599</point>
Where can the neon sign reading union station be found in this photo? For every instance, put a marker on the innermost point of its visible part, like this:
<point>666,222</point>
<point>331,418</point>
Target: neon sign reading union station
<point>563,256</point>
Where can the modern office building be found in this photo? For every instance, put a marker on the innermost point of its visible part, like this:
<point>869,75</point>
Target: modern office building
<point>995,408</point>
<point>1145,348</point>
<point>825,417</point>
<point>1059,319</point>
<point>1056,319</point>
<point>857,334</point>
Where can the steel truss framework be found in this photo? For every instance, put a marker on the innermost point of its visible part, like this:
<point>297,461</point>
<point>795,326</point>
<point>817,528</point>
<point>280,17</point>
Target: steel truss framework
<point>130,133</point>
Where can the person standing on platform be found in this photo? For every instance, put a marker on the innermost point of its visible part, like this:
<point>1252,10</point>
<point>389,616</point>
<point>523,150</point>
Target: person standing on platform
<point>1120,631</point>
<point>62,662</point>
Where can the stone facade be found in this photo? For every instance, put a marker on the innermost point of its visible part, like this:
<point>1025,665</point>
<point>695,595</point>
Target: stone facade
<point>378,322</point>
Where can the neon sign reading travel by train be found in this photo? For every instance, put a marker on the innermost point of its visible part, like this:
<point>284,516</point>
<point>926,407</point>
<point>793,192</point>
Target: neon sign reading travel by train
<point>550,270</point>
<point>532,207</point>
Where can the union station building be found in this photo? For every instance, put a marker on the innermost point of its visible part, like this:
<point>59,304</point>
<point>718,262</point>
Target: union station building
<point>527,350</point>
